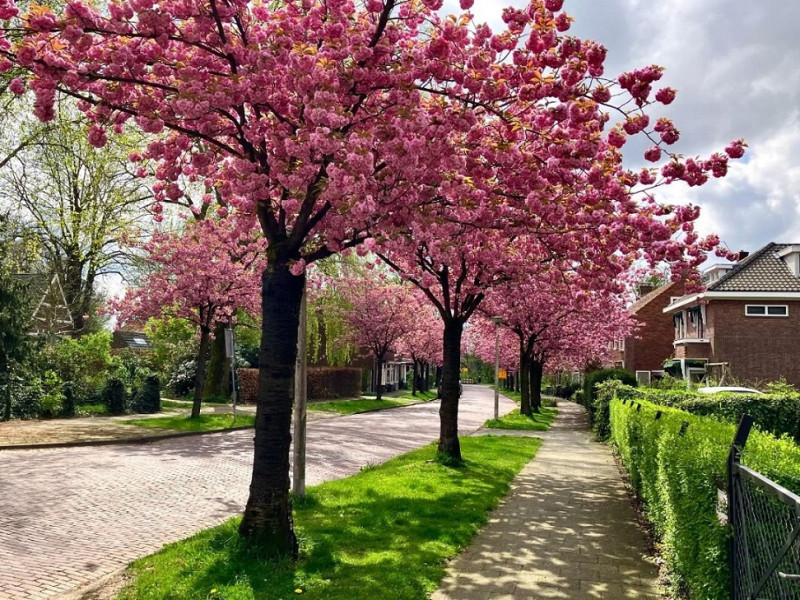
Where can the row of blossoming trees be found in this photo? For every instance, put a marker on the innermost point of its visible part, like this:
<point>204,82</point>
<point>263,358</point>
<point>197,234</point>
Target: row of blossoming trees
<point>468,158</point>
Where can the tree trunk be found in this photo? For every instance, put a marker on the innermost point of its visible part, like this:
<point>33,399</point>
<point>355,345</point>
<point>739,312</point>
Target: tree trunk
<point>524,381</point>
<point>379,378</point>
<point>448,409</point>
<point>267,520</point>
<point>537,370</point>
<point>217,381</point>
<point>200,377</point>
<point>6,381</point>
<point>414,376</point>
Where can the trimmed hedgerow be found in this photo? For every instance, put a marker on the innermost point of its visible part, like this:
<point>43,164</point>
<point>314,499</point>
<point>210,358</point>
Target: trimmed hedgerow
<point>592,378</point>
<point>777,413</point>
<point>333,382</point>
<point>323,383</point>
<point>677,477</point>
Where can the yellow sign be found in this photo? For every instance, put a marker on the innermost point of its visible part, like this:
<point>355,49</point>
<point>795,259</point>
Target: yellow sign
<point>503,374</point>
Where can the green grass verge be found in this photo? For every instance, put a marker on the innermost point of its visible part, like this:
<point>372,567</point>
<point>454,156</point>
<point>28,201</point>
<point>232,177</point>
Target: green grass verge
<point>187,404</point>
<point>384,533</point>
<point>421,396</point>
<point>90,409</point>
<point>513,420</point>
<point>202,423</point>
<point>349,407</point>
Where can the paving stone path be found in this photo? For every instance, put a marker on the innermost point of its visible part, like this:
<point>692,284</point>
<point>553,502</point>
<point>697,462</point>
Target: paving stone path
<point>567,529</point>
<point>70,516</point>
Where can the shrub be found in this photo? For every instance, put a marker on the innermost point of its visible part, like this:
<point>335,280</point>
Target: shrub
<point>325,383</point>
<point>248,385</point>
<point>677,477</point>
<point>84,362</point>
<point>182,379</point>
<point>592,378</point>
<point>148,396</point>
<point>68,393</point>
<point>114,396</point>
<point>776,413</point>
<point>566,390</point>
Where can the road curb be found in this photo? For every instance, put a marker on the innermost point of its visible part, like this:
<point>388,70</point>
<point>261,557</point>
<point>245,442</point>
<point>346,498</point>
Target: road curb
<point>123,442</point>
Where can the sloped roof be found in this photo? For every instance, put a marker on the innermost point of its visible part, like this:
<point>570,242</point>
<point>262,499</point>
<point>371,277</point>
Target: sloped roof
<point>649,297</point>
<point>762,271</point>
<point>131,339</point>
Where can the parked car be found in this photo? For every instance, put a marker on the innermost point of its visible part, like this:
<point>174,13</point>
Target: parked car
<point>460,390</point>
<point>727,390</point>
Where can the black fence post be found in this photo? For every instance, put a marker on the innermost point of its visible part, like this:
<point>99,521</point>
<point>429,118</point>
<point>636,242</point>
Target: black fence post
<point>734,458</point>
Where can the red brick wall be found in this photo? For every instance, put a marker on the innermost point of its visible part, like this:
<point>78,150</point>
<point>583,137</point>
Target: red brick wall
<point>759,349</point>
<point>654,345</point>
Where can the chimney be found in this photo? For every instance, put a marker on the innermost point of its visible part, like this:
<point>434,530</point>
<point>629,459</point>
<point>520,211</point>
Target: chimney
<point>742,255</point>
<point>643,289</point>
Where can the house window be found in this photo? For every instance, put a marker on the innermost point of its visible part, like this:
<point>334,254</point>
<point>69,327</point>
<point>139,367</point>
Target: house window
<point>766,310</point>
<point>679,324</point>
<point>696,321</point>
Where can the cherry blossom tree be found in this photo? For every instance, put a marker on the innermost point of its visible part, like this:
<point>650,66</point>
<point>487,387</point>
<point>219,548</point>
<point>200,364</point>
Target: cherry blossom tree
<point>328,122</point>
<point>379,314</point>
<point>422,343</point>
<point>556,319</point>
<point>203,274</point>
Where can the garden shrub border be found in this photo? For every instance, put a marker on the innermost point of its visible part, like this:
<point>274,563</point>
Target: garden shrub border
<point>677,476</point>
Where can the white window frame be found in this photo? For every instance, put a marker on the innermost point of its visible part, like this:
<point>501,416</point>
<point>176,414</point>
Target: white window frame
<point>766,308</point>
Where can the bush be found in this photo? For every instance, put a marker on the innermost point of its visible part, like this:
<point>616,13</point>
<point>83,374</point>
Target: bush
<point>777,413</point>
<point>592,378</point>
<point>566,390</point>
<point>68,408</point>
<point>248,385</point>
<point>115,396</point>
<point>84,362</point>
<point>326,383</point>
<point>677,477</point>
<point>182,379</point>
<point>148,397</point>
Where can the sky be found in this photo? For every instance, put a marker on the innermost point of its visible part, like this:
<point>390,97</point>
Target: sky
<point>736,66</point>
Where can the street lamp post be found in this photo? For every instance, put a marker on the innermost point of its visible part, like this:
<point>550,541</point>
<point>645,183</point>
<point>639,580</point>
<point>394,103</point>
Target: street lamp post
<point>497,321</point>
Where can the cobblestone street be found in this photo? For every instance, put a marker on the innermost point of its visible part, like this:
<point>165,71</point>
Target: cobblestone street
<point>70,516</point>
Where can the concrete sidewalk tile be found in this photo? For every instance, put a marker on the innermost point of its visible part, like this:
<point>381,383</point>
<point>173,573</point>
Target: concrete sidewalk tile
<point>566,529</point>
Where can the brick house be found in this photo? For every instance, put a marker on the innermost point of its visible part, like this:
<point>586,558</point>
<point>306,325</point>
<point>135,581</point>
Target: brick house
<point>651,344</point>
<point>746,325</point>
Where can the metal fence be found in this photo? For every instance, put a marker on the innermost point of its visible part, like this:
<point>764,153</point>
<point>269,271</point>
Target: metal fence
<point>765,518</point>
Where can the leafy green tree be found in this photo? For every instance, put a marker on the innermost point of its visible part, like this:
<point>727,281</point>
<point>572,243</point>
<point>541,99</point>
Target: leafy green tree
<point>15,317</point>
<point>79,201</point>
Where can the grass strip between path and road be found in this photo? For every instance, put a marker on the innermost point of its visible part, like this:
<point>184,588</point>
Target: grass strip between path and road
<point>201,423</point>
<point>383,533</point>
<point>514,420</point>
<point>349,407</point>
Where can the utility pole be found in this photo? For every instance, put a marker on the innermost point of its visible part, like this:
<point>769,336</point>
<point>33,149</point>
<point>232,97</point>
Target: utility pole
<point>300,392</point>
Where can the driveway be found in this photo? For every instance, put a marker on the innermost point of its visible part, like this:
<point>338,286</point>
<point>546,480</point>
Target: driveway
<point>70,516</point>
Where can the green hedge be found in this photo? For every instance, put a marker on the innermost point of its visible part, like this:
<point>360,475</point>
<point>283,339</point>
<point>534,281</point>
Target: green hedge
<point>592,378</point>
<point>333,382</point>
<point>677,477</point>
<point>324,383</point>
<point>776,413</point>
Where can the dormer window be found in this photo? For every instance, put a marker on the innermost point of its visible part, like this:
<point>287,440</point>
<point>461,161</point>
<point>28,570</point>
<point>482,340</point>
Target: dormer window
<point>791,256</point>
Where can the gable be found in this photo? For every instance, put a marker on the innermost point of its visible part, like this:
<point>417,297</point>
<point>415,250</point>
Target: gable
<point>762,271</point>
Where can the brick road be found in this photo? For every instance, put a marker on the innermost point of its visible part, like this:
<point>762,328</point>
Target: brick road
<point>70,516</point>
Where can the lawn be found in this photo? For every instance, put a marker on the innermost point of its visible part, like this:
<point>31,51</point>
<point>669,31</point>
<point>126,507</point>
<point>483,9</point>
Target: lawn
<point>384,533</point>
<point>421,396</point>
<point>349,407</point>
<point>513,420</point>
<point>202,423</point>
<point>187,404</point>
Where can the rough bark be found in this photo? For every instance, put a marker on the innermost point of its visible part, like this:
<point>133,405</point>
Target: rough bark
<point>267,520</point>
<point>524,381</point>
<point>219,372</point>
<point>448,409</point>
<point>200,377</point>
<point>379,378</point>
<point>537,372</point>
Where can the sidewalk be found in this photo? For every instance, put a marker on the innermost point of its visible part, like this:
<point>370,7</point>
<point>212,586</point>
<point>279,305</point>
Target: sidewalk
<point>566,530</point>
